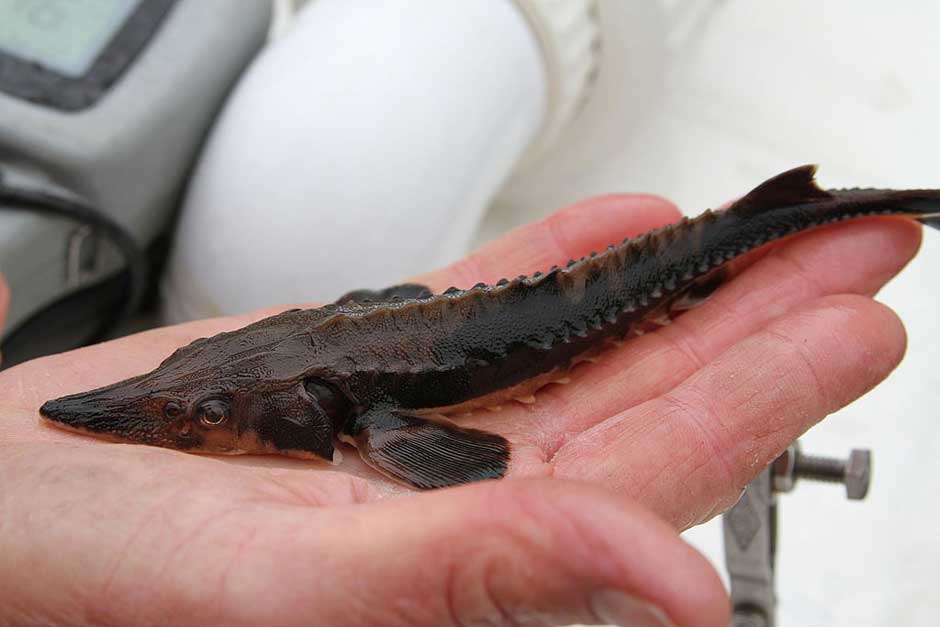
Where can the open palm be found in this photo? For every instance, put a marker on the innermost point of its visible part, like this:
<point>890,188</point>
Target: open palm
<point>675,422</point>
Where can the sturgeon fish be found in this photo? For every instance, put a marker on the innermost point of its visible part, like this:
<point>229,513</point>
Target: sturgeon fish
<point>380,369</point>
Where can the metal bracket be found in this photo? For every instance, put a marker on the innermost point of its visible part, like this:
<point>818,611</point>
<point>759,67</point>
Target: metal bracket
<point>750,527</point>
<point>750,543</point>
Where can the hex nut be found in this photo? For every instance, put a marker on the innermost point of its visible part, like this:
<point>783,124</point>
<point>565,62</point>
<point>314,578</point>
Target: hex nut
<point>783,469</point>
<point>858,474</point>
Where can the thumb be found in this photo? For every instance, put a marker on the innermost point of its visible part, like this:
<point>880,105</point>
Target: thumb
<point>4,301</point>
<point>512,552</point>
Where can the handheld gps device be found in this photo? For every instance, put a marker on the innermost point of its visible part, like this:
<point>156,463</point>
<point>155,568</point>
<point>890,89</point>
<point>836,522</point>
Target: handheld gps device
<point>103,107</point>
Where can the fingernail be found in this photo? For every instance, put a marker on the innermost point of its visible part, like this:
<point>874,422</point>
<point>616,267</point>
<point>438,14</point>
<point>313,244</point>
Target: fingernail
<point>619,608</point>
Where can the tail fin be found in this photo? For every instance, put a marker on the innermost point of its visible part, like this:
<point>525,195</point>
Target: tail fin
<point>927,210</point>
<point>933,221</point>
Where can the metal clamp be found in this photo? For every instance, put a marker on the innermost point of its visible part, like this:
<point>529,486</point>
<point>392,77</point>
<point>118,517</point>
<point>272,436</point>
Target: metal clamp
<point>750,527</point>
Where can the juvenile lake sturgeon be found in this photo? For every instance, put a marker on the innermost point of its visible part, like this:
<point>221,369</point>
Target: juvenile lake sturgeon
<point>377,369</point>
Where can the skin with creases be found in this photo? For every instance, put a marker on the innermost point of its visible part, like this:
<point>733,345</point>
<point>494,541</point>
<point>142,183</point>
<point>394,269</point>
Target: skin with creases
<point>369,368</point>
<point>676,421</point>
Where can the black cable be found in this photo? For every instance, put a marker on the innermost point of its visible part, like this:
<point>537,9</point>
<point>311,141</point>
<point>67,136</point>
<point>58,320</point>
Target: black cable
<point>53,204</point>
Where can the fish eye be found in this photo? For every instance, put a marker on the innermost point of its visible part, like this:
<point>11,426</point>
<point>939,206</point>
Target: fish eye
<point>213,412</point>
<point>172,409</point>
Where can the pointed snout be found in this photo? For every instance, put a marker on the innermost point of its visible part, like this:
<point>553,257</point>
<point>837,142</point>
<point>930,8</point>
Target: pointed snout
<point>55,409</point>
<point>72,412</point>
<point>100,412</point>
<point>82,412</point>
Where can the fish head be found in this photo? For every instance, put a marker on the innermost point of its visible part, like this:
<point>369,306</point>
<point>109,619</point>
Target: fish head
<point>236,392</point>
<point>180,417</point>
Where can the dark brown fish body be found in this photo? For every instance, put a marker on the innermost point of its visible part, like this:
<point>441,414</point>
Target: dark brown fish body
<point>363,370</point>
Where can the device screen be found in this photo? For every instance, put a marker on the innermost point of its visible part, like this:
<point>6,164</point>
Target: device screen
<point>63,35</point>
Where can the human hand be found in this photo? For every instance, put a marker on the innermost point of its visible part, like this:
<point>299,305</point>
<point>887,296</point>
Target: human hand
<point>679,419</point>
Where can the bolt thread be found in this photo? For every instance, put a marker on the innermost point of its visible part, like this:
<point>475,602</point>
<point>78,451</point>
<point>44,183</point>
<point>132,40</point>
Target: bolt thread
<point>819,468</point>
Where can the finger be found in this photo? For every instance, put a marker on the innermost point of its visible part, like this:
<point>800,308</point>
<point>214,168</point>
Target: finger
<point>726,422</point>
<point>515,552</point>
<point>4,301</point>
<point>210,544</point>
<point>835,260</point>
<point>143,527</point>
<point>569,233</point>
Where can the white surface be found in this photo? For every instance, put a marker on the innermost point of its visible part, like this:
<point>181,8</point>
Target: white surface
<point>568,35</point>
<point>379,131</point>
<point>698,102</point>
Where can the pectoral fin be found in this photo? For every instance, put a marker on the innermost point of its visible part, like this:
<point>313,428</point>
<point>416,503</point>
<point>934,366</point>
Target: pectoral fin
<point>427,454</point>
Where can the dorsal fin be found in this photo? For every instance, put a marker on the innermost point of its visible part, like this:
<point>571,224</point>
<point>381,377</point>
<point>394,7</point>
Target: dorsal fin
<point>789,188</point>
